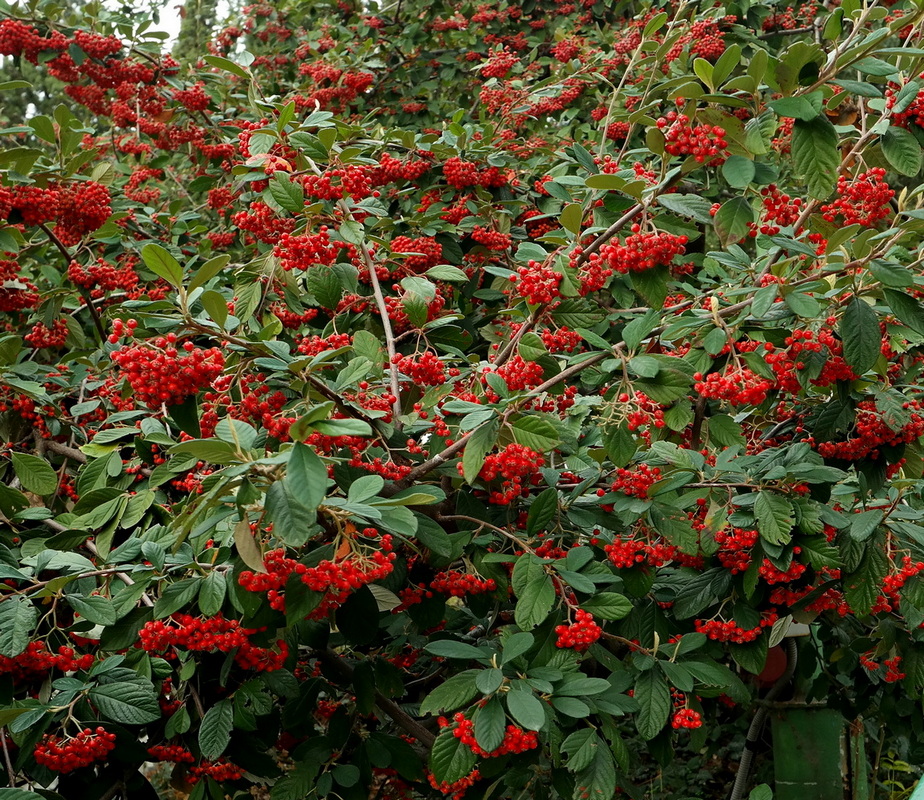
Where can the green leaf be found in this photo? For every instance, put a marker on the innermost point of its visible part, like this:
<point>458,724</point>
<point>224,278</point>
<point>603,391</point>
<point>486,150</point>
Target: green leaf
<point>175,596</point>
<point>227,66</point>
<point>214,451</point>
<point>608,605</point>
<point>446,272</point>
<point>902,150</point>
<point>212,593</point>
<point>516,645</point>
<point>775,517</point>
<point>215,729</point>
<point>733,219</point>
<point>127,702</point>
<point>581,748</point>
<point>534,590</point>
<point>162,263</point>
<point>451,693</point>
<point>570,219</point>
<point>526,709</point>
<point>542,511</point>
<point>761,792</point>
<point>805,106</point>
<point>96,609</point>
<point>815,154</point>
<point>864,524</point>
<point>738,171</point>
<point>597,781</point>
<point>490,725</point>
<point>17,619</point>
<point>906,308</point>
<point>215,306</point>
<point>287,193</point>
<point>859,330</point>
<point>863,587</point>
<point>208,271</point>
<point>35,474</point>
<point>489,681</point>
<point>292,519</point>
<point>654,698</point>
<point>450,759</point>
<point>691,206</point>
<point>535,433</point>
<point>449,648</point>
<point>306,476</point>
<point>477,447</point>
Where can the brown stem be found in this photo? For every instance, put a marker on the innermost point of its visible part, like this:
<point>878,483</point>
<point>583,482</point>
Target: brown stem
<point>625,219</point>
<point>97,323</point>
<point>401,718</point>
<point>345,407</point>
<point>10,772</point>
<point>699,414</point>
<point>386,321</point>
<point>63,450</point>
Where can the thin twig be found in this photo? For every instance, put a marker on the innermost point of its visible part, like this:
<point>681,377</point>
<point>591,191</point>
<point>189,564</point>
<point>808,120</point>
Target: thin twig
<point>97,323</point>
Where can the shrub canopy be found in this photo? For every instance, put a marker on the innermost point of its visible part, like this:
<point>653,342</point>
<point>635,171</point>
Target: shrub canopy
<point>455,400</point>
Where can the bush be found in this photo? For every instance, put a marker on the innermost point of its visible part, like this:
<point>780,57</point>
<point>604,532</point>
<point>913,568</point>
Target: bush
<point>457,401</point>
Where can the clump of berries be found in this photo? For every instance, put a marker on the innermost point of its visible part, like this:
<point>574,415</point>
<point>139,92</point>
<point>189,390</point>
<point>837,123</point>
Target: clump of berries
<point>643,251</point>
<point>516,740</point>
<point>67,754</point>
<point>162,374</point>
<point>738,387</point>
<point>460,584</point>
<point>863,200</point>
<point>516,466</point>
<point>580,634</point>
<point>706,143</point>
<point>686,718</point>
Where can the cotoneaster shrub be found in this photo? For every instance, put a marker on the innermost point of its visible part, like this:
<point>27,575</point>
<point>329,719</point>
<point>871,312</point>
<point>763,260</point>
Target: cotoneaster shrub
<point>457,400</point>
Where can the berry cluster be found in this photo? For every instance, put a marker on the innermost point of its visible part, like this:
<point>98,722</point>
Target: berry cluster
<point>499,64</point>
<point>103,276</point>
<point>41,336</point>
<point>864,200</point>
<point>580,634</point>
<point>460,584</point>
<point>427,370</point>
<point>516,740</point>
<point>213,635</point>
<point>336,579</point>
<point>706,143</point>
<point>729,631</point>
<point>517,467</point>
<point>461,174</point>
<point>491,239</point>
<point>738,387</point>
<point>871,431</point>
<point>457,789</point>
<point>537,283</point>
<point>735,548</point>
<point>643,251</point>
<point>307,250</point>
<point>563,340</point>
<point>220,771</point>
<point>66,755</point>
<point>686,718</point>
<point>35,662</point>
<point>160,375</point>
<point>421,253</point>
<point>635,482</point>
<point>174,753</point>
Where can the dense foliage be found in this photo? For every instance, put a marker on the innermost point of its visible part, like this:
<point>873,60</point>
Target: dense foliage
<point>456,400</point>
